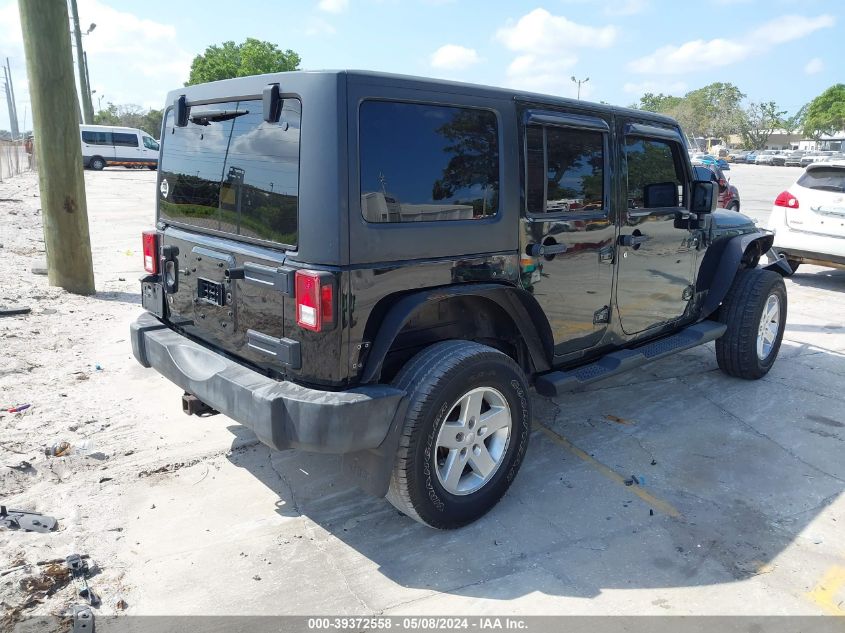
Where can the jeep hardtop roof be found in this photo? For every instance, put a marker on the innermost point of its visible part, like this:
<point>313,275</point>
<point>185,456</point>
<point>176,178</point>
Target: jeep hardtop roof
<point>253,85</point>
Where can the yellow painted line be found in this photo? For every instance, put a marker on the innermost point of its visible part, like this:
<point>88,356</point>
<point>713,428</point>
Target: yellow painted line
<point>657,504</point>
<point>825,593</point>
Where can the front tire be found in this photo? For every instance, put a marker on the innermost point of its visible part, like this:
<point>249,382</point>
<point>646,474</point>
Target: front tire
<point>97,163</point>
<point>755,313</point>
<point>465,433</point>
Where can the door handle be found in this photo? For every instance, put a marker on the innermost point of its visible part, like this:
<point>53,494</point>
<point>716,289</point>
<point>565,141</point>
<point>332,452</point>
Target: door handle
<point>633,241</point>
<point>543,250</point>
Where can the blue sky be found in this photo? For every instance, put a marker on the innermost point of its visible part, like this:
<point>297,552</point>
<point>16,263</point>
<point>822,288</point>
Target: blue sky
<point>782,50</point>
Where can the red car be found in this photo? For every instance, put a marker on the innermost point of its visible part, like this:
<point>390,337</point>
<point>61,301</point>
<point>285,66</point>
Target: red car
<point>728,194</point>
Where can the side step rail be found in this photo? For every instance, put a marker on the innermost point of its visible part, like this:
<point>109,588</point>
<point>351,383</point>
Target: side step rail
<point>558,382</point>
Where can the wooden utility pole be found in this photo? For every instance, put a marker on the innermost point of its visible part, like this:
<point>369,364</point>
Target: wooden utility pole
<point>49,67</point>
<point>87,106</point>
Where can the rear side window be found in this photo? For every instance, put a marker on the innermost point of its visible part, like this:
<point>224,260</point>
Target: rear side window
<point>97,138</point>
<point>653,165</point>
<point>564,170</point>
<point>231,172</point>
<point>421,162</point>
<point>123,139</point>
<point>824,179</point>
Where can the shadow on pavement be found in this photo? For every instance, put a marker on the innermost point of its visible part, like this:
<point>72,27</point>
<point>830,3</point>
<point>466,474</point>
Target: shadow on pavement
<point>746,465</point>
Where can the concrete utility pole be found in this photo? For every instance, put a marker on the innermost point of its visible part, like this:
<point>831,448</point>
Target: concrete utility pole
<point>89,97</point>
<point>13,107</point>
<point>87,106</point>
<point>46,42</point>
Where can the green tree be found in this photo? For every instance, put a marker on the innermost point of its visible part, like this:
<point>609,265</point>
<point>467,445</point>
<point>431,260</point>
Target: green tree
<point>715,110</point>
<point>131,115</point>
<point>790,124</point>
<point>826,113</point>
<point>659,102</point>
<point>252,57</point>
<point>759,122</point>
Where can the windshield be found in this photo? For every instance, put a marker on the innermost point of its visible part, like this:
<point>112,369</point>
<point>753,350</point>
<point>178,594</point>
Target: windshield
<point>231,172</point>
<point>824,179</point>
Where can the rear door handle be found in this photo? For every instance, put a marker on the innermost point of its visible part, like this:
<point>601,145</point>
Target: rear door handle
<point>633,240</point>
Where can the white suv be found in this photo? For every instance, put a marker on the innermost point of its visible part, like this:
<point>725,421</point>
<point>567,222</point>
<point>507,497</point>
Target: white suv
<point>808,219</point>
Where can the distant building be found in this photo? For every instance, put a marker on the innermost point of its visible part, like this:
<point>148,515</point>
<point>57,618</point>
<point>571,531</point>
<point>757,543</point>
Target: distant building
<point>831,143</point>
<point>779,139</point>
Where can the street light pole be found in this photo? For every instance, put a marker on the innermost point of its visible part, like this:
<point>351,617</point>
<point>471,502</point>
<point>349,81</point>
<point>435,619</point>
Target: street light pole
<point>579,82</point>
<point>87,107</point>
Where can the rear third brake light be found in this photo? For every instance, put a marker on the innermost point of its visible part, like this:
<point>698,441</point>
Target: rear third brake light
<point>314,300</point>
<point>150,245</point>
<point>786,199</point>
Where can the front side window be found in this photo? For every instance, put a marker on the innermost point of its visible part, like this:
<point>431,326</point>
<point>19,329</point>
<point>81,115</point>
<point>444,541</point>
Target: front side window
<point>150,143</point>
<point>422,162</point>
<point>232,172</point>
<point>564,170</point>
<point>122,139</point>
<point>655,174</point>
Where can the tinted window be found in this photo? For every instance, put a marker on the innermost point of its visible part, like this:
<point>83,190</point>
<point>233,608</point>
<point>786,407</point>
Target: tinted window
<point>427,162</point>
<point>123,139</point>
<point>824,179</point>
<point>653,162</point>
<point>234,175</point>
<point>569,165</point>
<point>96,138</point>
<point>149,143</point>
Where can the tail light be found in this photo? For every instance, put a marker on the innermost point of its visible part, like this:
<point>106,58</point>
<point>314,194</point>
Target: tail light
<point>314,300</point>
<point>786,199</point>
<point>150,242</point>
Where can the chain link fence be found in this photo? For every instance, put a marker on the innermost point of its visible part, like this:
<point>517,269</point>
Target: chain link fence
<point>16,157</point>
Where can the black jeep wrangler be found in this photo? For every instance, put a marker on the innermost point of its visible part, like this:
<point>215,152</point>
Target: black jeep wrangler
<point>380,266</point>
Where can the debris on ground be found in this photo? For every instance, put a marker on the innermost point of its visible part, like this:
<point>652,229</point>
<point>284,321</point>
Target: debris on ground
<point>18,408</point>
<point>15,311</point>
<point>618,420</point>
<point>26,520</point>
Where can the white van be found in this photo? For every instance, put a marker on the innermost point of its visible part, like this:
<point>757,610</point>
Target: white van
<point>104,145</point>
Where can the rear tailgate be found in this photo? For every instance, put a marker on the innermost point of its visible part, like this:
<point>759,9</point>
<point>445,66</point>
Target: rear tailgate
<point>228,197</point>
<point>821,201</point>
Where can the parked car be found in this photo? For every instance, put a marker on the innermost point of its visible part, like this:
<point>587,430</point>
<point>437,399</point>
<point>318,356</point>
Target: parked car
<point>704,159</point>
<point>812,157</point>
<point>738,156</point>
<point>780,159</point>
<point>765,157</point>
<point>728,194</point>
<point>105,145</point>
<point>721,163</point>
<point>751,156</point>
<point>808,219</point>
<point>337,293</point>
<point>793,159</point>
<point>835,157</point>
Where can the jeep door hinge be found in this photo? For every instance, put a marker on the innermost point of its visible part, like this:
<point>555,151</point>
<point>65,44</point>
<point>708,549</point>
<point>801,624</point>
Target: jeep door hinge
<point>606,255</point>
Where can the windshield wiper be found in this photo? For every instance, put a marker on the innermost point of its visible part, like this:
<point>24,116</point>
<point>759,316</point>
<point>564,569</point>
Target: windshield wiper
<point>207,117</point>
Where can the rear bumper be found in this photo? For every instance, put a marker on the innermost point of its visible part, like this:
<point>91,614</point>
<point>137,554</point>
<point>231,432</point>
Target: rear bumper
<point>282,414</point>
<point>805,246</point>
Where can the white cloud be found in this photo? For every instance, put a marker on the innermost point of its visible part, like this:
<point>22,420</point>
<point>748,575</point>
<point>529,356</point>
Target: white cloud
<point>318,26</point>
<point>454,57</point>
<point>546,45</point>
<point>333,6</point>
<point>130,59</point>
<point>539,32</point>
<point>670,88</point>
<point>814,66</point>
<point>698,54</point>
<point>626,7</point>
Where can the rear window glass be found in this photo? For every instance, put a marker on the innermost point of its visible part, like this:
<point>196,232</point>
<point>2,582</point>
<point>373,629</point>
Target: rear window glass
<point>229,171</point>
<point>97,138</point>
<point>422,162</point>
<point>824,179</point>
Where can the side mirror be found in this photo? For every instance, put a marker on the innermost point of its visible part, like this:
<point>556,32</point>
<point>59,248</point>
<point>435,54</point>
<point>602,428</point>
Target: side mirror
<point>703,197</point>
<point>723,184</point>
<point>180,107</point>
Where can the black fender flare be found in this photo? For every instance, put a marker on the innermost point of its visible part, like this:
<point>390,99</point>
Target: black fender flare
<point>520,305</point>
<point>717,278</point>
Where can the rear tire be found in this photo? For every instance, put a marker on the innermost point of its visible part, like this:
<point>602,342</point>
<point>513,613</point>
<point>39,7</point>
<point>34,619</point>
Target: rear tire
<point>97,163</point>
<point>445,433</point>
<point>755,313</point>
